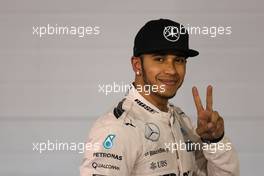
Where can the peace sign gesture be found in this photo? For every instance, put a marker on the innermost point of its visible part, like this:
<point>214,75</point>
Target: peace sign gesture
<point>210,126</point>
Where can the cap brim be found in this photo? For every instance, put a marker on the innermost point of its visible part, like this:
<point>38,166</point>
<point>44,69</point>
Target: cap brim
<point>184,53</point>
<point>177,51</point>
<point>192,53</point>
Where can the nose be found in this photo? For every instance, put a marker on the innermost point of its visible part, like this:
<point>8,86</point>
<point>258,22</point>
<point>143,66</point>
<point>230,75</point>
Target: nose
<point>170,68</point>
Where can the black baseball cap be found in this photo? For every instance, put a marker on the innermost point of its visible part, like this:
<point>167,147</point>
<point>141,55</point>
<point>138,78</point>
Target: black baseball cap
<point>163,35</point>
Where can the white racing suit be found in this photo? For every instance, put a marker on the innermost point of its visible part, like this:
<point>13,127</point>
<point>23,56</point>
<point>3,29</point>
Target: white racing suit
<point>137,139</point>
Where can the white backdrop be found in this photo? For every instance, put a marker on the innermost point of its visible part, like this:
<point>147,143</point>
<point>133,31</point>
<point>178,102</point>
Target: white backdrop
<point>49,85</point>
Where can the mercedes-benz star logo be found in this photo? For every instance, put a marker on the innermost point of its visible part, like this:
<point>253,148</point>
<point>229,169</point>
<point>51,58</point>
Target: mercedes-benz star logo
<point>152,132</point>
<point>171,33</point>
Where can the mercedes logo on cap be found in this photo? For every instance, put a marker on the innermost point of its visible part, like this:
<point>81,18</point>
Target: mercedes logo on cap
<point>171,33</point>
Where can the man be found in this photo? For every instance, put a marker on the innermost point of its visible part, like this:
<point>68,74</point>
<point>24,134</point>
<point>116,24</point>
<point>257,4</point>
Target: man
<point>144,134</point>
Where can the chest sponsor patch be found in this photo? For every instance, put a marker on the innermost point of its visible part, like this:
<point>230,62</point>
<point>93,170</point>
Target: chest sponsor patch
<point>107,155</point>
<point>152,132</point>
<point>108,142</point>
<point>146,107</point>
<point>158,164</point>
<point>97,165</point>
<point>158,151</point>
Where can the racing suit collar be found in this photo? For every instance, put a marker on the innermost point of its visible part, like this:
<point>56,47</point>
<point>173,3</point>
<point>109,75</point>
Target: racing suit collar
<point>148,107</point>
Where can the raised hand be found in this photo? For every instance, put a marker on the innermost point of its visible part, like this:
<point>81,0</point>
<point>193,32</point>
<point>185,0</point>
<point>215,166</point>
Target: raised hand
<point>210,125</point>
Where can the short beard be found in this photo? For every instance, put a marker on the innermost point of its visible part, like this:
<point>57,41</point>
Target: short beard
<point>146,82</point>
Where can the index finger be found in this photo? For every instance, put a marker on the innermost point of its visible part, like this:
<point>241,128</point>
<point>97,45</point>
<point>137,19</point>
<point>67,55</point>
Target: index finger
<point>197,100</point>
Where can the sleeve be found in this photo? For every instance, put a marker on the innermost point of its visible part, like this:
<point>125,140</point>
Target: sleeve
<point>113,153</point>
<point>222,158</point>
<point>215,159</point>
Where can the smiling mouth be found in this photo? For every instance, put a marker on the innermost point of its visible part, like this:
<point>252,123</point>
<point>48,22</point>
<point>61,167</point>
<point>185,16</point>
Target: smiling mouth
<point>168,82</point>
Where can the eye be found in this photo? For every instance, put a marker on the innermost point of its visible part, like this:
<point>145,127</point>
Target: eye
<point>159,59</point>
<point>180,60</point>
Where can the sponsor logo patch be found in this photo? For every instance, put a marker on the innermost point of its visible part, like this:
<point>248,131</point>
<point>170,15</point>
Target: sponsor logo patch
<point>152,132</point>
<point>154,152</point>
<point>146,107</point>
<point>107,155</point>
<point>108,142</point>
<point>96,165</point>
<point>158,164</point>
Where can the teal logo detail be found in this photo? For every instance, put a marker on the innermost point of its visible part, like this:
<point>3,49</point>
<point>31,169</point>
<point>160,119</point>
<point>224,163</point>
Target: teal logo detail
<point>108,142</point>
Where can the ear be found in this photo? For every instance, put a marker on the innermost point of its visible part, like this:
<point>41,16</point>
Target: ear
<point>136,63</point>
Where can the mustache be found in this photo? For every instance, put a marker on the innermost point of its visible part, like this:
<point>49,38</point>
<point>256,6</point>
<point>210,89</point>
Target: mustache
<point>175,78</point>
<point>170,77</point>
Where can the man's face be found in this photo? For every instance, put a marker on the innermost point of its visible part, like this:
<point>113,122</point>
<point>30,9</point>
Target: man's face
<point>166,71</point>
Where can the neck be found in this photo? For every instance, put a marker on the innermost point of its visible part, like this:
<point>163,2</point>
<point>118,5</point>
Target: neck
<point>158,101</point>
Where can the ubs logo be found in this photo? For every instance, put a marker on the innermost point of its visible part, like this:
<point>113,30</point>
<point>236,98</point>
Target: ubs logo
<point>158,164</point>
